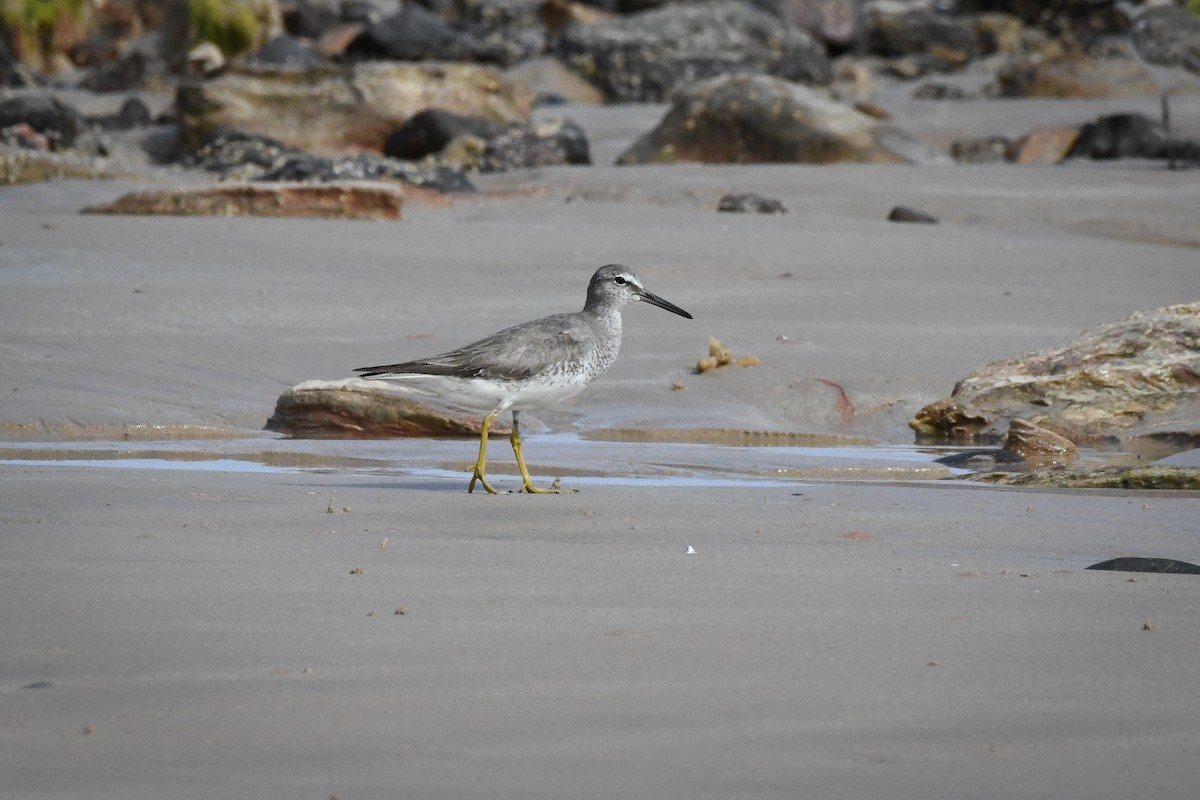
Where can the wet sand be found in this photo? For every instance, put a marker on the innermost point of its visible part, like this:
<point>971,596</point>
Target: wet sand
<point>199,633</point>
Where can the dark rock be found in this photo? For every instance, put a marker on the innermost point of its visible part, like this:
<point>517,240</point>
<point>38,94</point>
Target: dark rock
<point>368,12</point>
<point>367,167</point>
<point>647,57</point>
<point>61,124</point>
<point>1130,136</point>
<point>232,153</point>
<point>751,203</point>
<point>121,75</point>
<point>946,42</point>
<point>509,31</point>
<point>133,114</point>
<point>906,214</point>
<point>286,52</point>
<point>984,460</point>
<point>309,19</point>
<point>428,131</point>
<point>1143,564</point>
<point>240,155</point>
<point>1141,373</point>
<point>550,142</point>
<point>414,34</point>
<point>747,119</point>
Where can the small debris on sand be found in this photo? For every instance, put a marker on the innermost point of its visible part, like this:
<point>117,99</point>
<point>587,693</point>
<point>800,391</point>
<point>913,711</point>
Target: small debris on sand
<point>719,356</point>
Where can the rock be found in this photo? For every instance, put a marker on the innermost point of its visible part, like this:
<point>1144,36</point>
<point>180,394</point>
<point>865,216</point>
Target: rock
<point>906,214</point>
<point>1131,136</point>
<point>751,203</point>
<point>1120,136</point>
<point>121,75</point>
<point>648,56</point>
<point>1143,564</point>
<point>1073,75</point>
<point>1044,145</point>
<point>1116,380</point>
<point>32,166</point>
<point>367,167</point>
<point>285,52</point>
<point>60,123</point>
<point>239,155</point>
<point>359,105</point>
<point>205,60</point>
<point>1148,477</point>
<point>558,14</point>
<point>509,31</point>
<point>414,34</point>
<point>310,19</point>
<point>999,33</point>
<point>746,119</point>
<point>986,150</point>
<point>367,409</point>
<point>329,200</point>
<point>552,82</point>
<point>550,142</point>
<point>133,114</point>
<point>428,131</point>
<point>944,42</point>
<point>1033,443</point>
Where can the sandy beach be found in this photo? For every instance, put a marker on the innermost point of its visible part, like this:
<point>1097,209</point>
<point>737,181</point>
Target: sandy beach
<point>340,619</point>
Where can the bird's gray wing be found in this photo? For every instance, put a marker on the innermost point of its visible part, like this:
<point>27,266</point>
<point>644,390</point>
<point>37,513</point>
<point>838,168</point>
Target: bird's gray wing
<point>515,353</point>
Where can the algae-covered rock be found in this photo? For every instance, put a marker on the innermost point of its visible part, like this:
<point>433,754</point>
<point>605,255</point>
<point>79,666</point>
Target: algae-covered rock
<point>757,119</point>
<point>1148,477</point>
<point>1117,379</point>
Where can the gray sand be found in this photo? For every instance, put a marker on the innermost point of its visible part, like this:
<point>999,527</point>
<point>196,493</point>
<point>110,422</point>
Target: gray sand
<point>201,634</point>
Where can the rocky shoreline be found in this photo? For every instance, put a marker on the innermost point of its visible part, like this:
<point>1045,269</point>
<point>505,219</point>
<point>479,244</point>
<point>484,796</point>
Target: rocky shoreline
<point>352,111</point>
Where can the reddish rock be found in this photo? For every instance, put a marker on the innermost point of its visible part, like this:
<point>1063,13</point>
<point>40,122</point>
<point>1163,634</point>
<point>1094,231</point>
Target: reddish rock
<point>365,409</point>
<point>1044,145</point>
<point>1039,445</point>
<point>373,201</point>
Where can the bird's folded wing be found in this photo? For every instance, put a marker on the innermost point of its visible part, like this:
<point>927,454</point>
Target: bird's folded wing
<point>516,353</point>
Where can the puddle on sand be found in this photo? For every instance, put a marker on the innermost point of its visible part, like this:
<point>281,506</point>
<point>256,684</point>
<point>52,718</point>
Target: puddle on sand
<point>681,459</point>
<point>215,465</point>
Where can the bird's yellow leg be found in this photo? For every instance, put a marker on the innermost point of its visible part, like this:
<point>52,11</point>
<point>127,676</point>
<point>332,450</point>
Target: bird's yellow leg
<point>515,439</point>
<point>478,473</point>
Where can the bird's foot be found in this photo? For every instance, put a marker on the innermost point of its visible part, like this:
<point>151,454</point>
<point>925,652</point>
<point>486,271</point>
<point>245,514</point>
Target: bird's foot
<point>477,475</point>
<point>555,488</point>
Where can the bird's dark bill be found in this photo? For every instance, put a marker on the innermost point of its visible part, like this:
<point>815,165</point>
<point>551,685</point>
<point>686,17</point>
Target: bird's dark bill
<point>655,300</point>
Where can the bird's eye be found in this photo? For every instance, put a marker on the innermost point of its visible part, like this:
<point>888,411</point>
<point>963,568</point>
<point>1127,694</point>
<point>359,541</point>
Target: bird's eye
<point>619,280</point>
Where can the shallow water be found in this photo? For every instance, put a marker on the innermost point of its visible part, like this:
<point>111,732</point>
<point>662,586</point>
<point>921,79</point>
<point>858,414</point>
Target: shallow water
<point>599,459</point>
